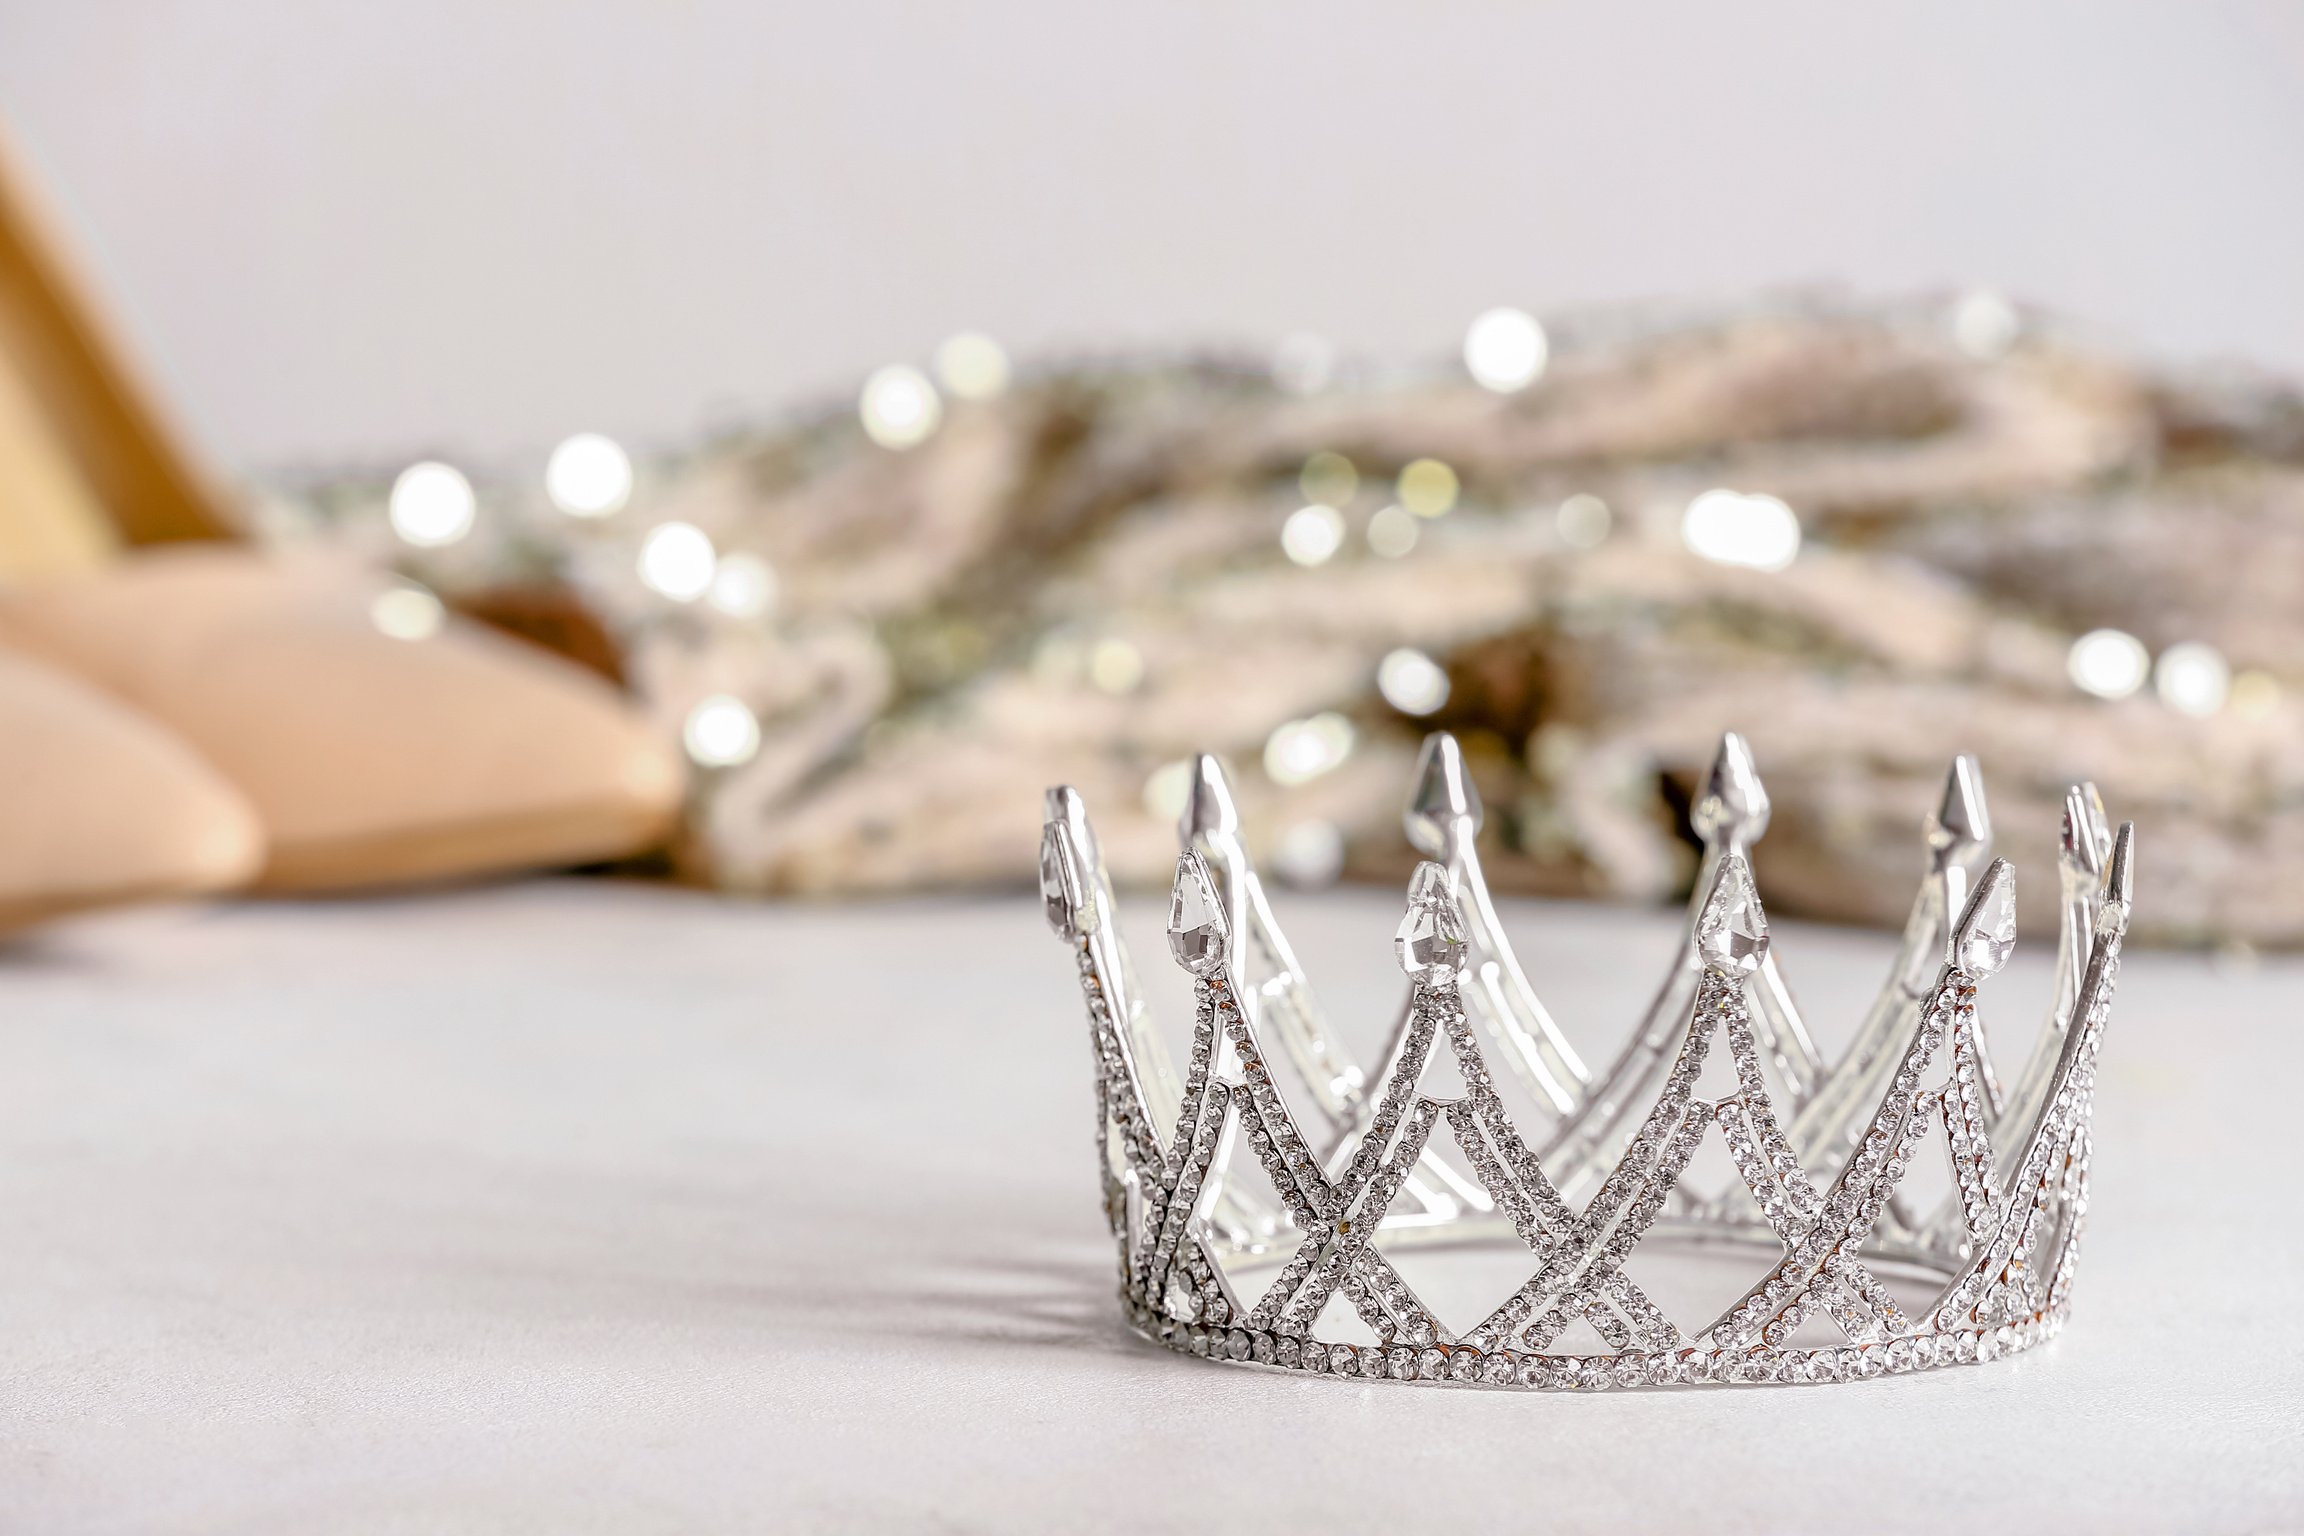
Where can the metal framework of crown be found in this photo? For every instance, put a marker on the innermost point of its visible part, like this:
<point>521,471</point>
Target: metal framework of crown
<point>1277,1205</point>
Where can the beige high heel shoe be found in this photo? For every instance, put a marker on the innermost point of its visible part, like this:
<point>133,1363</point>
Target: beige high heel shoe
<point>99,805</point>
<point>282,736</point>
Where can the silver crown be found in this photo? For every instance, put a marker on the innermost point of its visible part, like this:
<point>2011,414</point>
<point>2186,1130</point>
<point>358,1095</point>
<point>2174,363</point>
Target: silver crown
<point>1486,1171</point>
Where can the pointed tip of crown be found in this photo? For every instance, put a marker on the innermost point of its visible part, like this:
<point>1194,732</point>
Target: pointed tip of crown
<point>1732,929</point>
<point>1732,808</point>
<point>1961,826</point>
<point>1209,809</point>
<point>2120,880</point>
<point>1442,797</point>
<point>1985,935</point>
<point>2084,841</point>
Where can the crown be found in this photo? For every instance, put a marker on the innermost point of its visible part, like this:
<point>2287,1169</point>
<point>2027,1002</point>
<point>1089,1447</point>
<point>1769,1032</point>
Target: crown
<point>1276,1204</point>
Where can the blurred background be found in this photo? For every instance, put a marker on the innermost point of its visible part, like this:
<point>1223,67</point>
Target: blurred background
<point>763,447</point>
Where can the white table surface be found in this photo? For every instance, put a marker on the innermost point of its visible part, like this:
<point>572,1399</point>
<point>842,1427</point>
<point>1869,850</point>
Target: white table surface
<point>583,1207</point>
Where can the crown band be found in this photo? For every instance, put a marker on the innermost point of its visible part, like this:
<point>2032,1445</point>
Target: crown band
<point>1484,1139</point>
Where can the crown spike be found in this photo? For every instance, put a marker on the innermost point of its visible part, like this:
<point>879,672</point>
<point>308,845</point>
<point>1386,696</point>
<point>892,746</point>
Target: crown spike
<point>1985,935</point>
<point>2085,838</point>
<point>1732,810</point>
<point>1199,934</point>
<point>1732,930</point>
<point>2119,881</point>
<point>1961,828</point>
<point>1209,810</point>
<point>1430,943</point>
<point>1443,800</point>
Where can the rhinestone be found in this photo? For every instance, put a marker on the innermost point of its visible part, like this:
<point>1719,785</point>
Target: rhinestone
<point>1198,931</point>
<point>1430,939</point>
<point>1987,933</point>
<point>1236,1344</point>
<point>1732,931</point>
<point>1260,1345</point>
<point>1432,1365</point>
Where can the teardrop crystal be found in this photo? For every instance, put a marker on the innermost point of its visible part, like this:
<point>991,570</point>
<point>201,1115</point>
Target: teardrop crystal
<point>1197,928</point>
<point>1059,883</point>
<point>1430,943</point>
<point>1732,930</point>
<point>1986,935</point>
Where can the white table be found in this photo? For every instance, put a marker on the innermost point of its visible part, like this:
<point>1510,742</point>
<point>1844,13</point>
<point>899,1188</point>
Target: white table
<point>582,1207</point>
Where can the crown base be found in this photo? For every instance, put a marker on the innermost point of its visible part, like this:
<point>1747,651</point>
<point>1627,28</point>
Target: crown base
<point>1210,1332</point>
<point>1525,1371</point>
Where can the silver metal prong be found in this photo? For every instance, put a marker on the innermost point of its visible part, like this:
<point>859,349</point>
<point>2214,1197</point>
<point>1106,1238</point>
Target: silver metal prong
<point>1732,809</point>
<point>2119,881</point>
<point>1961,827</point>
<point>1209,810</point>
<point>1444,808</point>
<point>2084,839</point>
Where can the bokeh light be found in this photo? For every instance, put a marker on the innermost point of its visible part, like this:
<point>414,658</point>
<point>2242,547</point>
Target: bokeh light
<point>1427,488</point>
<point>1312,534</point>
<point>721,732</point>
<point>1302,750</point>
<point>899,407</point>
<point>1392,533</point>
<point>1505,350</point>
<point>432,505</point>
<point>1984,324</point>
<point>1166,789</point>
<point>406,611</point>
<point>1732,528</point>
<point>677,560</point>
<point>2193,679</point>
<point>972,366</point>
<point>1328,479</point>
<point>1412,682</point>
<point>744,586</point>
<point>1584,521</point>
<point>588,476</point>
<point>1115,666</point>
<point>2108,663</point>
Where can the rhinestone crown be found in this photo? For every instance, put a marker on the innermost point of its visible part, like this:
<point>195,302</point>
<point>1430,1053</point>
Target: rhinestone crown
<point>1297,1251</point>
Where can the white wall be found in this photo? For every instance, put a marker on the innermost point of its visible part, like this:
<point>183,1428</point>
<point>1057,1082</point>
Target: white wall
<point>356,230</point>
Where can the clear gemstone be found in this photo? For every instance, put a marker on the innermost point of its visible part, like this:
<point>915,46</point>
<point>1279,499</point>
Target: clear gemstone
<point>1431,937</point>
<point>1197,928</point>
<point>1732,932</point>
<point>1059,883</point>
<point>1987,934</point>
